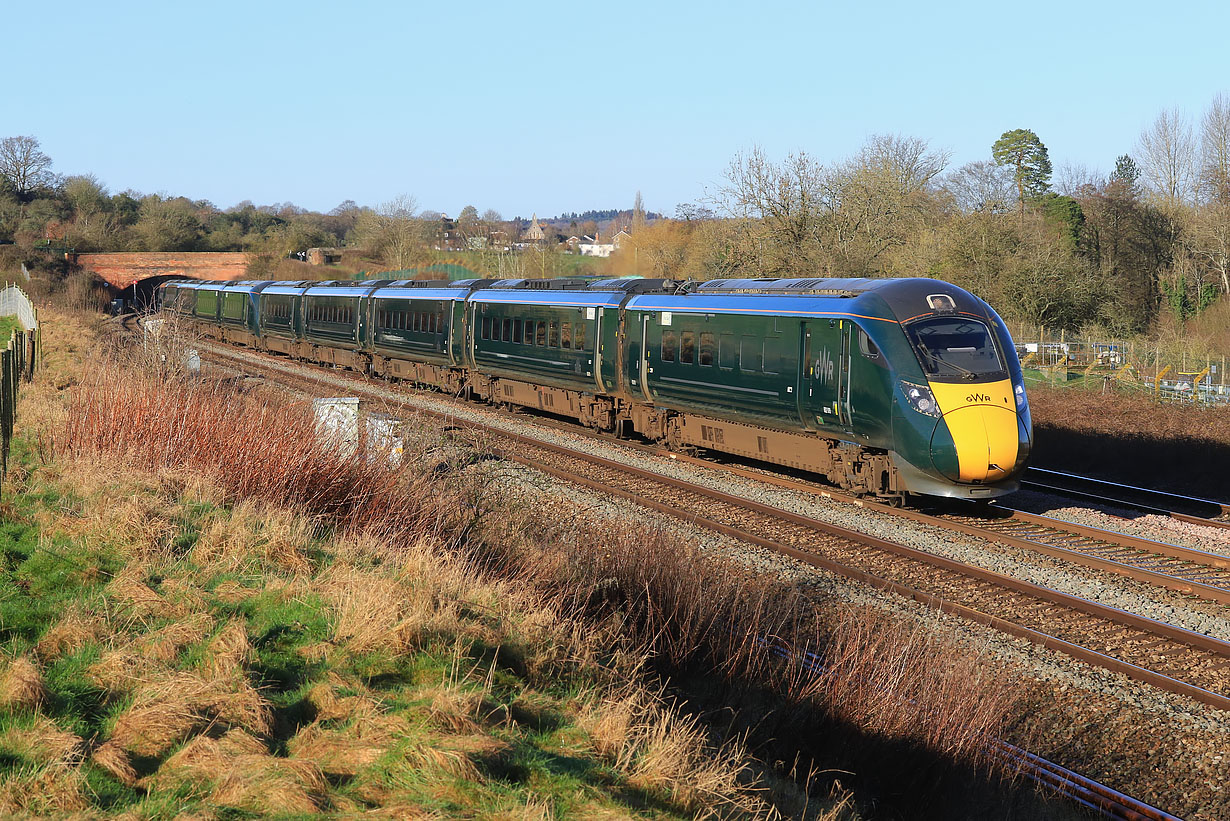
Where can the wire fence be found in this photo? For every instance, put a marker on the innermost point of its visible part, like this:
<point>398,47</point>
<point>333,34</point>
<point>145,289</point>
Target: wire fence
<point>17,361</point>
<point>1171,373</point>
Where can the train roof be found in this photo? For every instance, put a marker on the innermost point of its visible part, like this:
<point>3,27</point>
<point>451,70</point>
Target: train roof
<point>897,300</point>
<point>581,298</point>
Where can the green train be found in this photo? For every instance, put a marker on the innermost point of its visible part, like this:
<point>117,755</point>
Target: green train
<point>886,387</point>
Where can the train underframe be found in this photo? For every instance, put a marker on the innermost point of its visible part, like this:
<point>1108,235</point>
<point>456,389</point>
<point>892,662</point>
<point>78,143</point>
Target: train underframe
<point>851,467</point>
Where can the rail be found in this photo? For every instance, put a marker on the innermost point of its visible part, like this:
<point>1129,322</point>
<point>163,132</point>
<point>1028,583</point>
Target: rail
<point>17,361</point>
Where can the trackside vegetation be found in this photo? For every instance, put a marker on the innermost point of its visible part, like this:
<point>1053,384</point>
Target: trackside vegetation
<point>207,611</point>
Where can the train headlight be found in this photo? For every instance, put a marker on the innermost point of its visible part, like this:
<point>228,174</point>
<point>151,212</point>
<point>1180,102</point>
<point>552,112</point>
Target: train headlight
<point>920,398</point>
<point>1018,391</point>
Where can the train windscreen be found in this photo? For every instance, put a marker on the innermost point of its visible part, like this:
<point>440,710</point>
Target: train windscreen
<point>955,349</point>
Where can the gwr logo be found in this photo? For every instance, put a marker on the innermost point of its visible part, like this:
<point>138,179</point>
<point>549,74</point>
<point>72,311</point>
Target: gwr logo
<point>977,397</point>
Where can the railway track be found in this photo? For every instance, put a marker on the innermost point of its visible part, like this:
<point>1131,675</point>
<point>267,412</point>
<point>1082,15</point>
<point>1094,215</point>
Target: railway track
<point>1204,512</point>
<point>1180,653</point>
<point>1163,655</point>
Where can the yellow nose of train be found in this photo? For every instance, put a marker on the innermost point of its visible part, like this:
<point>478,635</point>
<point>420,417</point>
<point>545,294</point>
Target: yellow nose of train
<point>983,424</point>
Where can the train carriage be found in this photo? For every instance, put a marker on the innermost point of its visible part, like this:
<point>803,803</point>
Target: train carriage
<point>417,331</point>
<point>280,312</point>
<point>885,387</point>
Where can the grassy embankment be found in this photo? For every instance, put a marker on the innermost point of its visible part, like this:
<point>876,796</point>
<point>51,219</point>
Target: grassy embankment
<point>206,611</point>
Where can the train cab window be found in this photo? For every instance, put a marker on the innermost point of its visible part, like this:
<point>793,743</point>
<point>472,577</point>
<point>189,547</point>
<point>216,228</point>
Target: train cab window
<point>565,336</point>
<point>751,353</point>
<point>866,347</point>
<point>553,334</point>
<point>669,343</point>
<point>728,351</point>
<point>582,344</point>
<point>507,335</point>
<point>541,336</point>
<point>687,348</point>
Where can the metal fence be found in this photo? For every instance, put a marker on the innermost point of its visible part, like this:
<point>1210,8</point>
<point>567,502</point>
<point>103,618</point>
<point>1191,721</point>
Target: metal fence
<point>16,361</point>
<point>1171,373</point>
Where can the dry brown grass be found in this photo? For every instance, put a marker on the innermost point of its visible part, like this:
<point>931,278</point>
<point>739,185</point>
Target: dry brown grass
<point>1133,439</point>
<point>249,530</point>
<point>229,652</point>
<point>165,643</point>
<point>240,773</point>
<point>73,631</point>
<point>55,789</point>
<point>113,758</point>
<point>162,423</point>
<point>346,750</point>
<point>138,599</point>
<point>21,685</point>
<point>666,752</point>
<point>379,612</point>
<point>42,742</point>
<point>168,710</point>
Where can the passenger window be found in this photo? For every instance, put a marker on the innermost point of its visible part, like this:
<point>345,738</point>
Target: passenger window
<point>669,343</point>
<point>581,342</point>
<point>866,347</point>
<point>687,347</point>
<point>728,351</point>
<point>553,337</point>
<point>565,336</point>
<point>751,353</point>
<point>507,336</point>
<point>439,322</point>
<point>541,336</point>
<point>517,331</point>
<point>707,344</point>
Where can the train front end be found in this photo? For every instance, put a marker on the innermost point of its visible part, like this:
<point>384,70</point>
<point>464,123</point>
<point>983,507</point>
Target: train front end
<point>962,423</point>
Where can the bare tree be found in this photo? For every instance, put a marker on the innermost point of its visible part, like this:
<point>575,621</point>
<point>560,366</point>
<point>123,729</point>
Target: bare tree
<point>1074,179</point>
<point>1166,154</point>
<point>1215,151</point>
<point>1210,240</point>
<point>981,186</point>
<point>907,161</point>
<point>638,213</point>
<point>777,209</point>
<point>24,166</point>
<point>395,231</point>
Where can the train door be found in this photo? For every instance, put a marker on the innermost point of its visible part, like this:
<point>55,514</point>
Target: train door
<point>822,372</point>
<point>843,379</point>
<point>645,368</point>
<point>803,386</point>
<point>471,332</point>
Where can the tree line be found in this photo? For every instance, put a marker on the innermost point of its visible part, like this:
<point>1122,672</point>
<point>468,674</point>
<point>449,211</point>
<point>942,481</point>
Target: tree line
<point>1146,243</point>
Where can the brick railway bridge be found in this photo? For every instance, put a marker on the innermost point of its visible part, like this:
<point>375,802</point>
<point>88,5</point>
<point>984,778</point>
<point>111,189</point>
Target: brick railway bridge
<point>135,276</point>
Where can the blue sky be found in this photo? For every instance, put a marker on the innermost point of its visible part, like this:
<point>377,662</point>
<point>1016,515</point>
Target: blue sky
<point>551,108</point>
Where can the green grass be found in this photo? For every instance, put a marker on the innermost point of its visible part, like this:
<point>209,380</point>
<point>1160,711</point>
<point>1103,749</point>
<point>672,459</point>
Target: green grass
<point>523,740</point>
<point>8,324</point>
